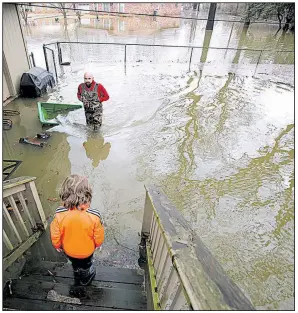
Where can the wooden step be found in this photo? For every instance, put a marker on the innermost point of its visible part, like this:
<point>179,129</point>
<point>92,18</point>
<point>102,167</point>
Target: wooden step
<point>70,281</point>
<point>47,286</point>
<point>103,273</point>
<point>32,290</point>
<point>20,304</point>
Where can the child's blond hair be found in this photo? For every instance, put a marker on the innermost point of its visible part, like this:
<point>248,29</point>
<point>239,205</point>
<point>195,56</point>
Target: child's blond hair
<point>75,191</point>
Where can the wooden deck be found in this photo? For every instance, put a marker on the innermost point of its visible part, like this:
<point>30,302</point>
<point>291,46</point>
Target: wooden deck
<point>49,286</point>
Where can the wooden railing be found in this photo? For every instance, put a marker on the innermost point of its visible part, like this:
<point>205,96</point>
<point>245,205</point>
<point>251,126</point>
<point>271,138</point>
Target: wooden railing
<point>181,273</point>
<point>23,217</point>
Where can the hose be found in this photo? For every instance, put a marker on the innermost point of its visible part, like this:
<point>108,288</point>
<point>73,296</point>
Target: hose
<point>10,112</point>
<point>7,124</point>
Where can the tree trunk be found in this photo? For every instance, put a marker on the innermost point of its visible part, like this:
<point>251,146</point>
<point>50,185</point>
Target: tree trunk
<point>246,24</point>
<point>211,16</point>
<point>280,18</point>
<point>237,9</point>
<point>287,24</point>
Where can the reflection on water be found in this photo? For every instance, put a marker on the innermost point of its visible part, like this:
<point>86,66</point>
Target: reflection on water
<point>163,31</point>
<point>96,150</point>
<point>235,182</point>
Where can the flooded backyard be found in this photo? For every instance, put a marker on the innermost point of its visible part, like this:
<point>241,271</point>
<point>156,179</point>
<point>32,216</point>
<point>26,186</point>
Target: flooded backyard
<point>219,144</point>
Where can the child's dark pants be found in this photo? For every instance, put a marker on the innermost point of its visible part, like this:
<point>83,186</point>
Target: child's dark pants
<point>83,270</point>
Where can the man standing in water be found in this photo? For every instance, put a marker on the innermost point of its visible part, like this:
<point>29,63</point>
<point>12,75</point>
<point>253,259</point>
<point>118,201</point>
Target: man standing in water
<point>92,95</point>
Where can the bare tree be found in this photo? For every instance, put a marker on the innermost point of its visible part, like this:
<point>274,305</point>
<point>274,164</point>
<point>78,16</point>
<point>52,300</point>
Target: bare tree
<point>62,8</point>
<point>78,13</point>
<point>24,9</point>
<point>277,10</point>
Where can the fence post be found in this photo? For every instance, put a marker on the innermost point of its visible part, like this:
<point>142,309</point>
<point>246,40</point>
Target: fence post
<point>59,53</point>
<point>45,56</point>
<point>190,58</point>
<point>257,63</point>
<point>32,57</point>
<point>53,54</point>
<point>125,54</point>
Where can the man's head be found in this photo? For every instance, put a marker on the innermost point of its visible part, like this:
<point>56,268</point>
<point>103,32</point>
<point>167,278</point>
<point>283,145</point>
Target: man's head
<point>88,78</point>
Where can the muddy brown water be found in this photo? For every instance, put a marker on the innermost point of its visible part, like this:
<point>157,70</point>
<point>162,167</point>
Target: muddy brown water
<point>221,146</point>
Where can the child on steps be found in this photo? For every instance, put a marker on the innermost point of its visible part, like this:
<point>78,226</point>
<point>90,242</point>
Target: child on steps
<point>77,229</point>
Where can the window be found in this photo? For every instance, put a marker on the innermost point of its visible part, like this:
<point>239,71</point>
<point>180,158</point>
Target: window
<point>106,7</point>
<point>107,24</point>
<point>121,8</point>
<point>121,26</point>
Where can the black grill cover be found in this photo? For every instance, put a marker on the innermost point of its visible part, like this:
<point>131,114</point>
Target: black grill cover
<point>34,82</point>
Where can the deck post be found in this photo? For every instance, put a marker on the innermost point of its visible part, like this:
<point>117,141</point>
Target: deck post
<point>45,56</point>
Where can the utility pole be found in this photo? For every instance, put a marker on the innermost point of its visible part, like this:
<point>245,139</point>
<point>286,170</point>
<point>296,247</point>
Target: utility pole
<point>211,16</point>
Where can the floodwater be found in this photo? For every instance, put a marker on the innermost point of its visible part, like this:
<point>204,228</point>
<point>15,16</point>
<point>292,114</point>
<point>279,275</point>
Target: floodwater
<point>219,144</point>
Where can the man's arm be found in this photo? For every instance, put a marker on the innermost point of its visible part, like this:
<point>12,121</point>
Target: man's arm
<point>79,94</point>
<point>102,93</point>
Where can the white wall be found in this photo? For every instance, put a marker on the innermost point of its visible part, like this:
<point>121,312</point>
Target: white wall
<point>6,93</point>
<point>14,48</point>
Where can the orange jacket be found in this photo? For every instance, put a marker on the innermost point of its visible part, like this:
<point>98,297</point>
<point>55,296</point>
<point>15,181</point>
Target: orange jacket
<point>77,232</point>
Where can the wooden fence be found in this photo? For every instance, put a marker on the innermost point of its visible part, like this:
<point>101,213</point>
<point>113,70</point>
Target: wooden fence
<point>23,217</point>
<point>181,273</point>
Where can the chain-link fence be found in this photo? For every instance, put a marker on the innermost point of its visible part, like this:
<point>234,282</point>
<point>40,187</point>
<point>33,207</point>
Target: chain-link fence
<point>241,61</point>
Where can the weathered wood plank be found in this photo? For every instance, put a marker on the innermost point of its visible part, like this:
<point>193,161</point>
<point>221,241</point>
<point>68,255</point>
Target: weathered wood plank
<point>95,283</point>
<point>157,243</point>
<point>169,288</point>
<point>13,190</point>
<point>95,297</point>
<point>153,291</point>
<point>11,223</point>
<point>20,250</point>
<point>179,302</point>
<point>164,274</point>
<point>158,266</point>
<point>147,217</point>
<point>18,214</point>
<point>46,305</point>
<point>103,273</point>
<point>157,257</point>
<point>7,184</point>
<point>38,203</point>
<point>207,284</point>
<point>7,242</point>
<point>24,206</point>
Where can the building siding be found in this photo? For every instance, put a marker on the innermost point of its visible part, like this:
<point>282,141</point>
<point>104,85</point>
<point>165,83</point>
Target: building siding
<point>14,48</point>
<point>173,9</point>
